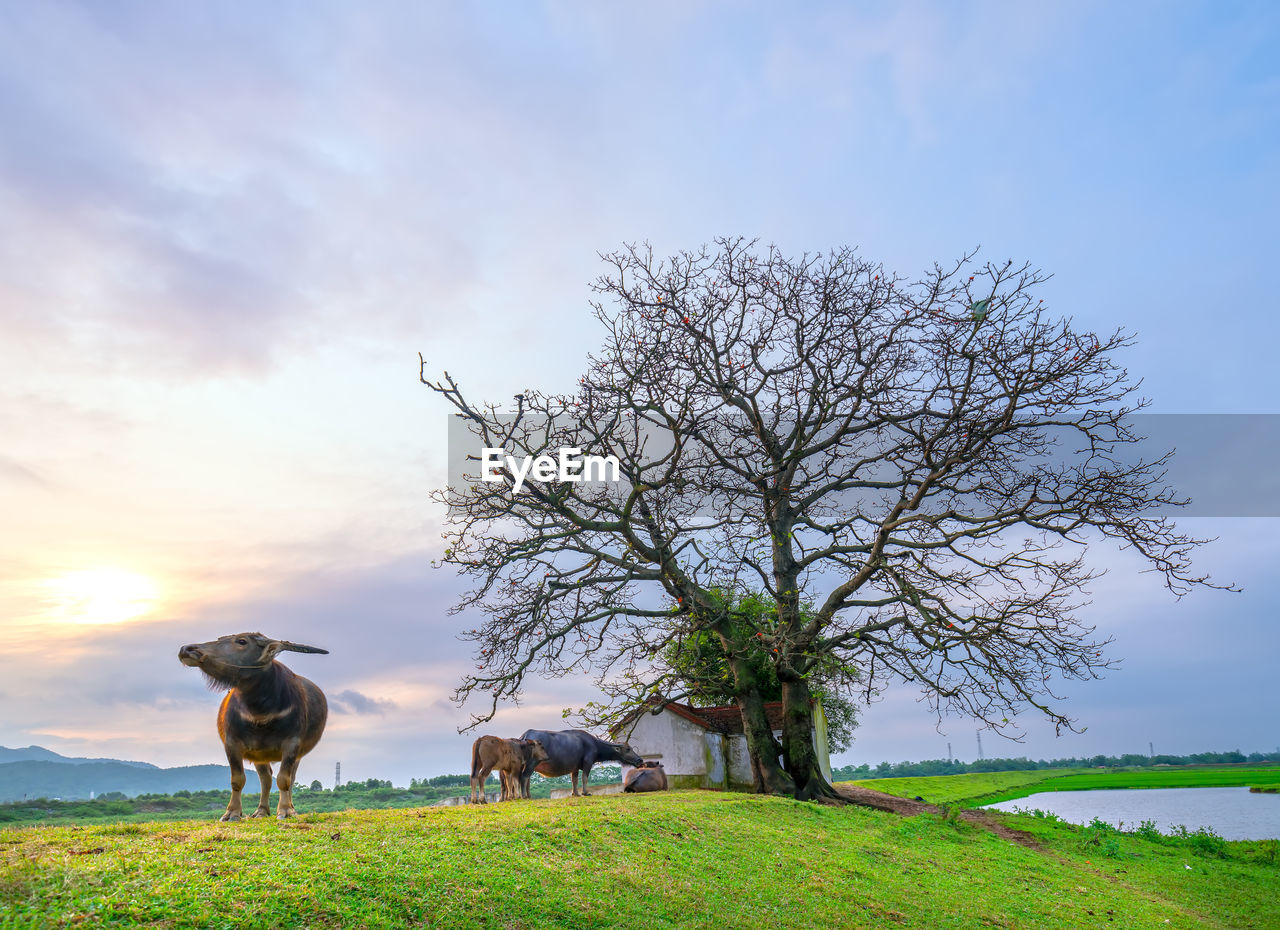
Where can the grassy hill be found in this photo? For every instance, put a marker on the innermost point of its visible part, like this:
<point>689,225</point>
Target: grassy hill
<point>682,859</point>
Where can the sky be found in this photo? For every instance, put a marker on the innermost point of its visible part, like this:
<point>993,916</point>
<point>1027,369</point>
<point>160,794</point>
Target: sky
<point>227,231</point>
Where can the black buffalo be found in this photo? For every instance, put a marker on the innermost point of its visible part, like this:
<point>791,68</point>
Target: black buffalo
<point>269,714</point>
<point>572,751</point>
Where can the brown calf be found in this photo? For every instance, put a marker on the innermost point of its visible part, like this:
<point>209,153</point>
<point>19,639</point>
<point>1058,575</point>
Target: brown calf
<point>647,776</point>
<point>511,758</point>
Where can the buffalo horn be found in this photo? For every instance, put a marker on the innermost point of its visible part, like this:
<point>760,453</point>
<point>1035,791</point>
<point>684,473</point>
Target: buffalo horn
<point>295,647</point>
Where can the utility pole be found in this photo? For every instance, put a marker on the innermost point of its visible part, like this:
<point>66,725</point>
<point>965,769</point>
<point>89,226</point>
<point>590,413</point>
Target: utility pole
<point>950,758</point>
<point>979,732</point>
<point>1151,747</point>
<point>337,775</point>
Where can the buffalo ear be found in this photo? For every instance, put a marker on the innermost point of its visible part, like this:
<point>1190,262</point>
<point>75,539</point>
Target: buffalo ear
<point>296,647</point>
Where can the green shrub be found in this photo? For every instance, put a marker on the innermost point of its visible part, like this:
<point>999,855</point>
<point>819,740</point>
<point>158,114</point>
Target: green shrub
<point>1202,842</point>
<point>1101,838</point>
<point>1147,830</point>
<point>1270,850</point>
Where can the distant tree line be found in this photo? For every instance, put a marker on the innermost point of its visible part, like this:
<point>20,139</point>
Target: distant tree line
<point>367,783</point>
<point>1021,764</point>
<point>440,781</point>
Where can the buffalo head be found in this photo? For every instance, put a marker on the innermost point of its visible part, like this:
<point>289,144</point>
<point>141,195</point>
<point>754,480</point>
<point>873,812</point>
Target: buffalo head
<point>228,660</point>
<point>627,754</point>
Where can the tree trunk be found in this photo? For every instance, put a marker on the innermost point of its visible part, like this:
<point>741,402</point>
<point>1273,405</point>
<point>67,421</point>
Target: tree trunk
<point>768,775</point>
<point>763,748</point>
<point>799,755</point>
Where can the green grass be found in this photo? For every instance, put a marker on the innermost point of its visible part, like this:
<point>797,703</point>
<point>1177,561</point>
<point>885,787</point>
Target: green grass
<point>680,859</point>
<point>988,788</point>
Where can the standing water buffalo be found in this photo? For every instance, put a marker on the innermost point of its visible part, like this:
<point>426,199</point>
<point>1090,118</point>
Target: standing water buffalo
<point>269,714</point>
<point>647,776</point>
<point>571,751</point>
<point>513,759</point>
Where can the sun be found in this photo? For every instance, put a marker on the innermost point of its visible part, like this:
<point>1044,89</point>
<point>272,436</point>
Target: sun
<point>101,595</point>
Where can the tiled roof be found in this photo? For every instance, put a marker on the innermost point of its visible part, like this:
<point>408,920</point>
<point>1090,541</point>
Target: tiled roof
<point>729,719</point>
<point>720,719</point>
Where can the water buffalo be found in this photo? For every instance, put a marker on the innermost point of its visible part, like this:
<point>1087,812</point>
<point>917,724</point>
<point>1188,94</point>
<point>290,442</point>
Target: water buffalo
<point>647,776</point>
<point>269,714</point>
<point>513,759</point>
<point>573,751</point>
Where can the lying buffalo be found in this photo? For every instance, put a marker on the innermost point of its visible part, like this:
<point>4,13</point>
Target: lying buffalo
<point>647,776</point>
<point>572,751</point>
<point>513,759</point>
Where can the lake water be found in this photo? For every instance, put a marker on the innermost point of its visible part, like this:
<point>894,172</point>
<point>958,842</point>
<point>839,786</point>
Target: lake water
<point>1232,813</point>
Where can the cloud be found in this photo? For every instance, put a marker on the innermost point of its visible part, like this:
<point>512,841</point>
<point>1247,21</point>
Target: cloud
<point>351,701</point>
<point>304,204</point>
<point>917,71</point>
<point>16,471</point>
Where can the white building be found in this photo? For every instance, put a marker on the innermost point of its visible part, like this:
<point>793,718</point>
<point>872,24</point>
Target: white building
<point>704,747</point>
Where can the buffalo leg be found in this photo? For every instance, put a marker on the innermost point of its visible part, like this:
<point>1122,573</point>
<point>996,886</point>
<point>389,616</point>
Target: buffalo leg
<point>264,800</point>
<point>284,781</point>
<point>477,785</point>
<point>237,784</point>
<point>586,773</point>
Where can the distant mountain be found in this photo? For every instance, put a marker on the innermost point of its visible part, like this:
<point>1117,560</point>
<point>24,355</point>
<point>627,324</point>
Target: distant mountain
<point>40,754</point>
<point>76,778</point>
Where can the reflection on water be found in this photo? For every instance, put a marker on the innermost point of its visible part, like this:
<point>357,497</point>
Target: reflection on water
<point>1232,813</point>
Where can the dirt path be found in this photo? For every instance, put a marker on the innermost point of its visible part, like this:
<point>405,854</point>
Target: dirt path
<point>907,808</point>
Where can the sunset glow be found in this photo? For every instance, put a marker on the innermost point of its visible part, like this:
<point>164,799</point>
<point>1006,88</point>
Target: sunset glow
<point>100,595</point>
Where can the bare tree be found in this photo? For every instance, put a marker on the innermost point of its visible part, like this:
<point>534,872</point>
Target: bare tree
<point>923,463</point>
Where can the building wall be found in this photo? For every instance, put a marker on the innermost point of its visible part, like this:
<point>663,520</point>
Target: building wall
<point>675,742</point>
<point>490,796</point>
<point>695,757</point>
<point>651,737</point>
